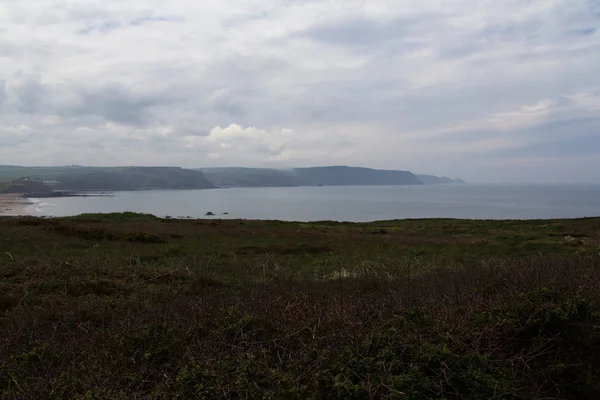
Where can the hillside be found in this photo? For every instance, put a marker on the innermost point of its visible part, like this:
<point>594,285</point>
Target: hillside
<point>48,173</point>
<point>128,178</point>
<point>252,177</point>
<point>312,176</point>
<point>4,183</point>
<point>23,186</point>
<point>342,175</point>
<point>134,178</point>
<point>435,180</point>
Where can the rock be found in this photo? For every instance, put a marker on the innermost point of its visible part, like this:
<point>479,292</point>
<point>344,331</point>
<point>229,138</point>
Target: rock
<point>225,213</point>
<point>209,213</point>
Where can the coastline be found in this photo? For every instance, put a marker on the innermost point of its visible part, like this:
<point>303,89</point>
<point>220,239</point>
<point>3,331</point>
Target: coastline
<point>13,204</point>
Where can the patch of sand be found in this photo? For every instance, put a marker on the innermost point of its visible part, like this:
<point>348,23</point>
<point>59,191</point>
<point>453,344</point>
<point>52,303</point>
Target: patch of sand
<point>13,204</point>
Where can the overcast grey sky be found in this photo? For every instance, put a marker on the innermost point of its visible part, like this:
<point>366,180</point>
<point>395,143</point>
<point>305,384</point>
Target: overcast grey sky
<point>488,90</point>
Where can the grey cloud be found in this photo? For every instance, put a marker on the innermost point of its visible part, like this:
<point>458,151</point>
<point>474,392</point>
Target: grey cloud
<point>583,31</point>
<point>363,32</point>
<point>96,145</point>
<point>510,31</point>
<point>108,26</point>
<point>275,93</point>
<point>566,137</point>
<point>49,18</point>
<point>227,102</point>
<point>231,108</point>
<point>567,128</point>
<point>192,131</point>
<point>10,137</point>
<point>594,7</point>
<point>459,50</point>
<point>115,103</point>
<point>7,48</point>
<point>85,31</point>
<point>550,130</point>
<point>2,92</point>
<point>145,20</point>
<point>378,94</point>
<point>241,71</point>
<point>11,140</point>
<point>78,12</point>
<point>270,151</point>
<point>27,94</point>
<point>103,27</point>
<point>256,90</point>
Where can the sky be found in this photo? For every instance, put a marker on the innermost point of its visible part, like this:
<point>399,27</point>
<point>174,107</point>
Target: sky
<point>484,90</point>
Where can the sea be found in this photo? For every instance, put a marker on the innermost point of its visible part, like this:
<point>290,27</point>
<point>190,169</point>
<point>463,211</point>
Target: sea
<point>343,203</point>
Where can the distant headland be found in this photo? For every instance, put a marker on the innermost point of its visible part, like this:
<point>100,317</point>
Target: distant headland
<point>61,181</point>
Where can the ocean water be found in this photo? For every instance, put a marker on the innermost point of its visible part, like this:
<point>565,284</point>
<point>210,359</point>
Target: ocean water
<point>345,203</point>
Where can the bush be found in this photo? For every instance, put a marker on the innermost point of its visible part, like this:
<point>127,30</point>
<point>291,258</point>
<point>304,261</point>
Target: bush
<point>145,237</point>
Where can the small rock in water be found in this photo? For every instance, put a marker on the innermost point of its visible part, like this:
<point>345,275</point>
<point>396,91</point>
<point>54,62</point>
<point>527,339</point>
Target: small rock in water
<point>209,213</point>
<point>225,213</point>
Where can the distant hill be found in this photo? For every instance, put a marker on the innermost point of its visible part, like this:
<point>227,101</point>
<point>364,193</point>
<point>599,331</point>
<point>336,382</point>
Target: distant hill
<point>313,176</point>
<point>48,173</point>
<point>131,178</point>
<point>23,186</point>
<point>434,180</point>
<point>252,177</point>
<point>341,175</point>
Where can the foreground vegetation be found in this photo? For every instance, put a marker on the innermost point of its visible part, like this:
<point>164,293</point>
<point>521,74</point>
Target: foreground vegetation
<point>126,306</point>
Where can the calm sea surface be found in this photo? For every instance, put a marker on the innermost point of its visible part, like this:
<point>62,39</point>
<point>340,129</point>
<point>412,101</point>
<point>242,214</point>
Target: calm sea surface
<point>346,203</point>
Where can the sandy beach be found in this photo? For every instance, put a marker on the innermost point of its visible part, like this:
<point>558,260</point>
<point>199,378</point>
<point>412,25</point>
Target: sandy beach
<point>13,204</point>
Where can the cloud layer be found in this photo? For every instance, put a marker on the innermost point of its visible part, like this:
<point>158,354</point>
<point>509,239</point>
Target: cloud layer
<point>481,89</point>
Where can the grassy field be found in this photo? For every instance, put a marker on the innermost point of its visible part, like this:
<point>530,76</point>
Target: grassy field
<point>8,172</point>
<point>126,306</point>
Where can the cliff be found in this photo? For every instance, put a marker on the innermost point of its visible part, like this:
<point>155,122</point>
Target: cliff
<point>135,178</point>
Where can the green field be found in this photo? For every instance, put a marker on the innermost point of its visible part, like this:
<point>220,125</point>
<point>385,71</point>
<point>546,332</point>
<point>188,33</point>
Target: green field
<point>124,306</point>
<point>44,173</point>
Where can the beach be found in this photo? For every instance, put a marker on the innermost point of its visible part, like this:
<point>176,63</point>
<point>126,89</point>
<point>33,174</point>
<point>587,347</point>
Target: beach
<point>13,204</point>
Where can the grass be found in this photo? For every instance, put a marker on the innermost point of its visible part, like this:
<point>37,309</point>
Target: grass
<point>132,306</point>
<point>10,172</point>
